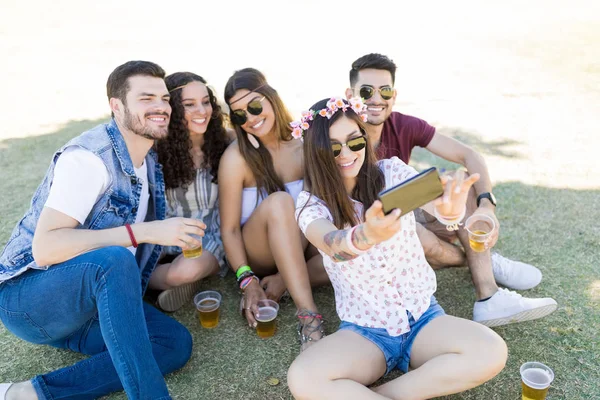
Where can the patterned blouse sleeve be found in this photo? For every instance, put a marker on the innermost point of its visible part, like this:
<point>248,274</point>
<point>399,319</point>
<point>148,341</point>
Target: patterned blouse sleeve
<point>309,209</point>
<point>396,171</point>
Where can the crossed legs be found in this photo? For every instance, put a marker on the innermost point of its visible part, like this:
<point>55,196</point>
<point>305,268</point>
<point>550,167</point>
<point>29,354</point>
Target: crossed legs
<point>449,355</point>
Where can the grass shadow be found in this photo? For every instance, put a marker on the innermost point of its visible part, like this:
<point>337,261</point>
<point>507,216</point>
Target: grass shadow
<point>23,162</point>
<point>554,229</point>
<point>421,158</point>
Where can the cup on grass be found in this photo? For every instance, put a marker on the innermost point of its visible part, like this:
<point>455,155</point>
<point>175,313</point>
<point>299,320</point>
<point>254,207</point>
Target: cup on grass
<point>535,380</point>
<point>265,320</point>
<point>480,228</point>
<point>208,304</point>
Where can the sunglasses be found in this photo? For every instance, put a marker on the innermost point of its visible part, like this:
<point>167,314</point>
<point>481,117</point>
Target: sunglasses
<point>386,92</point>
<point>354,144</point>
<point>239,117</point>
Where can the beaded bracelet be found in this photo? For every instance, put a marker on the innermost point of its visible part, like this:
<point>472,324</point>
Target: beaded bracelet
<point>451,224</point>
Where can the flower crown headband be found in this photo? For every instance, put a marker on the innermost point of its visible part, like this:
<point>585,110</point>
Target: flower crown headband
<point>333,105</point>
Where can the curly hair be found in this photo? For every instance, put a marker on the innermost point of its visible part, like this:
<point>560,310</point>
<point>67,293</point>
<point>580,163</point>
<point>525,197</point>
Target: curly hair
<point>174,151</point>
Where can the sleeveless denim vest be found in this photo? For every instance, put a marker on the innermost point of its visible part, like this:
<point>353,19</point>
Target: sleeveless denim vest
<point>116,207</point>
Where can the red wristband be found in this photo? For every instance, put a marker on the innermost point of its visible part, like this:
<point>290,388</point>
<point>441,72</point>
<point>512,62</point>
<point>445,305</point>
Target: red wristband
<point>130,231</point>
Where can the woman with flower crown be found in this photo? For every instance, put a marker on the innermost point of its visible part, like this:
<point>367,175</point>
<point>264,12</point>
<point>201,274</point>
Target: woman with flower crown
<point>260,176</point>
<point>382,282</point>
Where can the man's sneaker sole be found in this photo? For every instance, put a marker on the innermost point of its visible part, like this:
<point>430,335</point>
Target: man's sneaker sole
<point>527,315</point>
<point>172,300</point>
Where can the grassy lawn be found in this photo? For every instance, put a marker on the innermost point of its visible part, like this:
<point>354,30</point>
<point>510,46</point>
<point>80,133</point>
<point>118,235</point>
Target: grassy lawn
<point>554,229</point>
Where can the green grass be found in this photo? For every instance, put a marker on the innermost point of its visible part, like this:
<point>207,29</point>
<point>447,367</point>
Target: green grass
<point>554,229</point>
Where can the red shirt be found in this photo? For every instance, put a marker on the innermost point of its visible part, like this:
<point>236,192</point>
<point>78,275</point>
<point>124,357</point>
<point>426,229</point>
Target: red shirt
<point>401,133</point>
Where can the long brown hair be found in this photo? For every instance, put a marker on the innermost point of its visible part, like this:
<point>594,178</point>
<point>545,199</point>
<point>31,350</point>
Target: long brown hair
<point>260,160</point>
<point>174,150</point>
<point>322,177</point>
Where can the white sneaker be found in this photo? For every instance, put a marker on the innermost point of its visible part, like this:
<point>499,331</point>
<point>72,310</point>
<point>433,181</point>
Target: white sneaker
<point>515,274</point>
<point>506,307</point>
<point>3,389</point>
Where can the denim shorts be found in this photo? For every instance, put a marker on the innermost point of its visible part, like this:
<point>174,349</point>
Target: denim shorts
<point>396,349</point>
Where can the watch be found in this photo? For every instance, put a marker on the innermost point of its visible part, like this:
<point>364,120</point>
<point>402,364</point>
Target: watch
<point>487,195</point>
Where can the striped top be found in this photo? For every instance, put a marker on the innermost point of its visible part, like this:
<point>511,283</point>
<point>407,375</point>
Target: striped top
<point>199,200</point>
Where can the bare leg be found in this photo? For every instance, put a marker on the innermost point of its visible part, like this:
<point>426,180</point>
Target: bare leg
<point>450,355</point>
<point>316,271</point>
<point>184,270</point>
<point>273,243</point>
<point>480,264</point>
<point>338,366</point>
<point>438,252</point>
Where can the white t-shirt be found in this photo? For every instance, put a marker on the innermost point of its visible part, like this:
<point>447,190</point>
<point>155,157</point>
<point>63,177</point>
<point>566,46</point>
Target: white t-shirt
<point>81,178</point>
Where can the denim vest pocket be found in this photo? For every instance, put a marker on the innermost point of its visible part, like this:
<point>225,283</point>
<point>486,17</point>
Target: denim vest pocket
<point>21,259</point>
<point>115,213</point>
<point>21,325</point>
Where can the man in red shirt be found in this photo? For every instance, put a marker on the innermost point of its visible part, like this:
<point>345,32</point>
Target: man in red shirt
<point>394,134</point>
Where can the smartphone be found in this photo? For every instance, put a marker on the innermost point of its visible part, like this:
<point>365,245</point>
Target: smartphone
<point>413,192</point>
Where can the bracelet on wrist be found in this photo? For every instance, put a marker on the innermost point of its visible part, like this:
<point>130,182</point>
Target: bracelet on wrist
<point>244,276</point>
<point>242,269</point>
<point>246,281</point>
<point>350,243</point>
<point>134,242</point>
<point>452,223</point>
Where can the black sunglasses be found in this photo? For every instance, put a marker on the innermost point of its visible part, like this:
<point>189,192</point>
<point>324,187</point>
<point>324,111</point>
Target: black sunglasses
<point>367,91</point>
<point>354,144</point>
<point>254,107</point>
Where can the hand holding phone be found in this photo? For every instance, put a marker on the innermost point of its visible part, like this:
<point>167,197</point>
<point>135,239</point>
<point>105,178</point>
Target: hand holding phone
<point>413,192</point>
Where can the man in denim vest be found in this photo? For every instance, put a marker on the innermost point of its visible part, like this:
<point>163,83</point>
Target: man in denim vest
<point>75,268</point>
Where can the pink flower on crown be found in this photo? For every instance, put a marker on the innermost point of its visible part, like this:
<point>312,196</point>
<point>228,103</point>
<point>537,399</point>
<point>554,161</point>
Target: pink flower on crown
<point>357,105</point>
<point>333,105</point>
<point>297,132</point>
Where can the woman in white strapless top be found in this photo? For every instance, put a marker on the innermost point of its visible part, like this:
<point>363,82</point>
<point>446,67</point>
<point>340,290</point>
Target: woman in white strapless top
<point>260,176</point>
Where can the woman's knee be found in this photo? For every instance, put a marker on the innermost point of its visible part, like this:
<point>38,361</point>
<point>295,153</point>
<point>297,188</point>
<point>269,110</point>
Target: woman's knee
<point>489,354</point>
<point>301,380</point>
<point>281,203</point>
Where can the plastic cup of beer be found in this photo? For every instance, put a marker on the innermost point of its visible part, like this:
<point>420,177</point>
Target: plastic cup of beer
<point>208,304</point>
<point>535,380</point>
<point>195,252</point>
<point>265,320</point>
<point>480,228</point>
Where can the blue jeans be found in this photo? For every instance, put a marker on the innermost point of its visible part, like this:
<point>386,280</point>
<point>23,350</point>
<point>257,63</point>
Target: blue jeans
<point>93,304</point>
<point>396,349</point>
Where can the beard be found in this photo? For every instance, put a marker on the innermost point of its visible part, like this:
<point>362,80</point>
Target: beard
<point>379,121</point>
<point>135,125</point>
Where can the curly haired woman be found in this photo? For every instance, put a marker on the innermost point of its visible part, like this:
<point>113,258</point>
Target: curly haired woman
<point>190,156</point>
